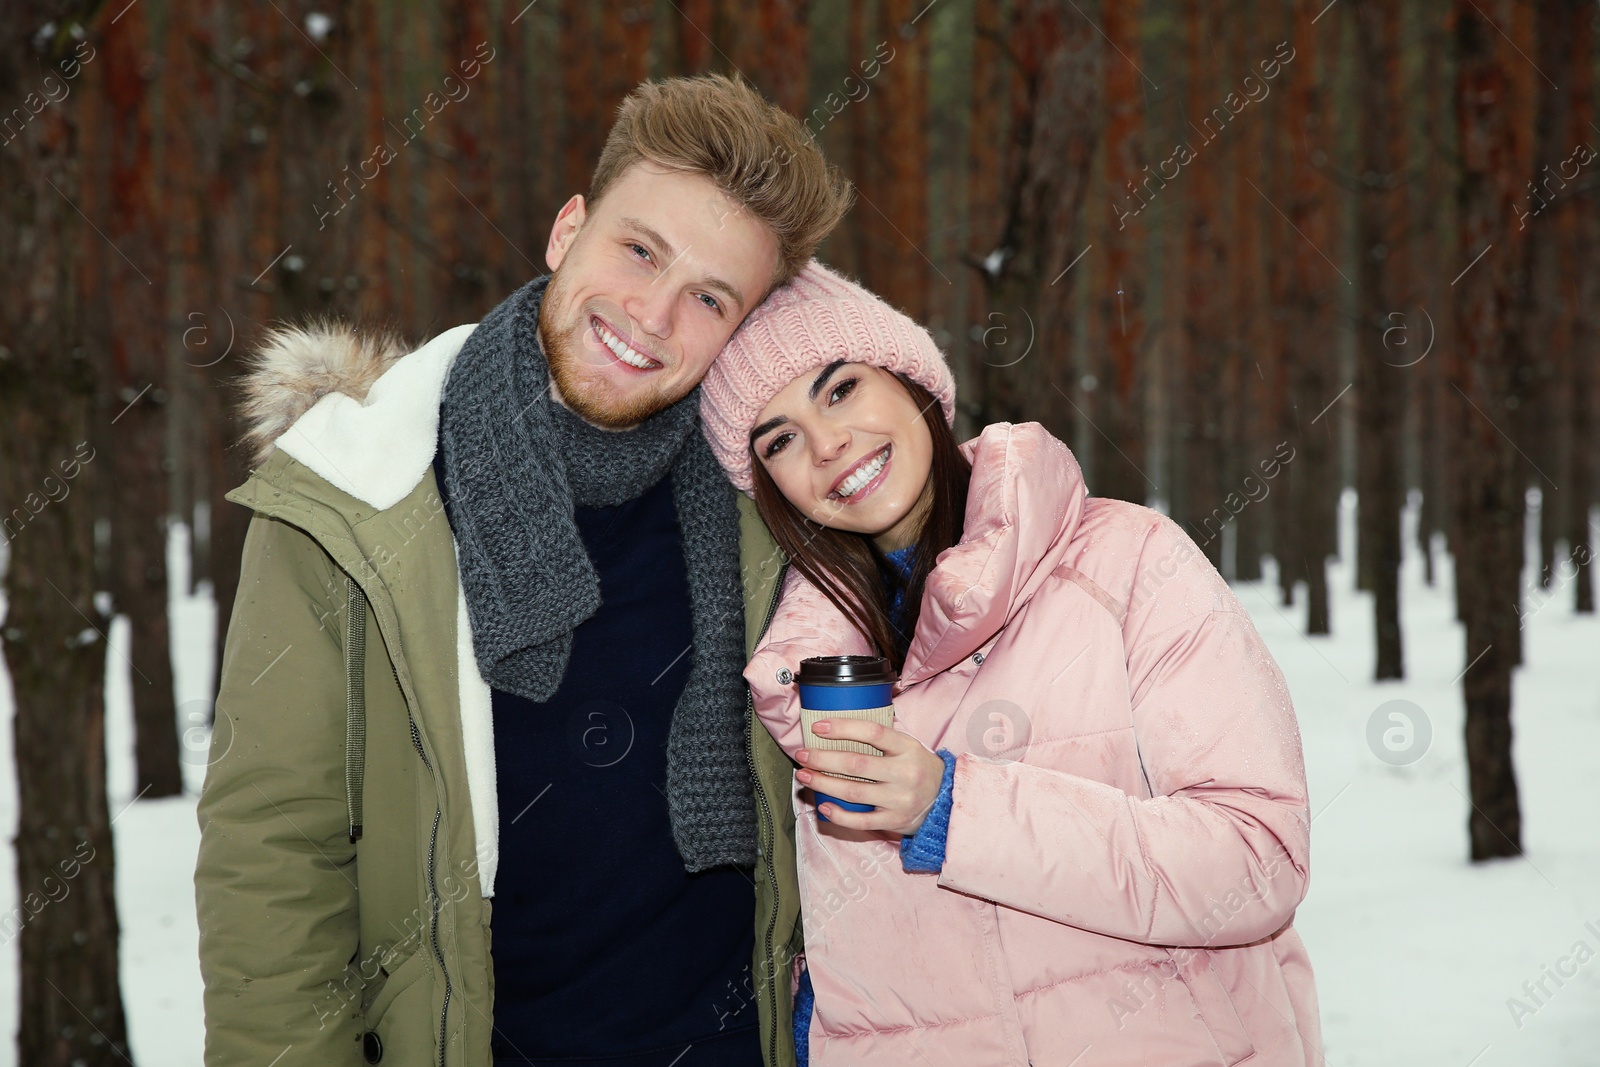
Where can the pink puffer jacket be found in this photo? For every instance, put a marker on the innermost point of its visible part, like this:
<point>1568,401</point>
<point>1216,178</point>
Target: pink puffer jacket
<point>1130,831</point>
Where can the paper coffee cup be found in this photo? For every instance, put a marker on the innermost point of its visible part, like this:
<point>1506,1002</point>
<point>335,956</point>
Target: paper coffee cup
<point>844,687</point>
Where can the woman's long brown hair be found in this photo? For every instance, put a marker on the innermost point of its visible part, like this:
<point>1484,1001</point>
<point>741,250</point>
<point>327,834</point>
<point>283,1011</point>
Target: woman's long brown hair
<point>848,567</point>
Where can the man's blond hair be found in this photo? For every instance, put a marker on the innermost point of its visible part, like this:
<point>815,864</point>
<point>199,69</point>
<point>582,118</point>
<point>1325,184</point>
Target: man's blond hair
<point>760,155</point>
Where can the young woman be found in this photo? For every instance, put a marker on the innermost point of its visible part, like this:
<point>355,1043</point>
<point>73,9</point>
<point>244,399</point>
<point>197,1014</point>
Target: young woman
<point>1091,828</point>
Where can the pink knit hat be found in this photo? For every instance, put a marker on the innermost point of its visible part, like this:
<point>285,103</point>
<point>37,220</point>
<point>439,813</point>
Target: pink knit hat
<point>818,318</point>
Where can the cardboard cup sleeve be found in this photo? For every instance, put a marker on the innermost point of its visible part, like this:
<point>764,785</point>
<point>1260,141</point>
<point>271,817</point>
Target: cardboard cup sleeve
<point>883,716</point>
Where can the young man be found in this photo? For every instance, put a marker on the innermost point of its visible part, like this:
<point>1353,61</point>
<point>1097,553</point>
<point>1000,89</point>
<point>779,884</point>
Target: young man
<point>488,642</point>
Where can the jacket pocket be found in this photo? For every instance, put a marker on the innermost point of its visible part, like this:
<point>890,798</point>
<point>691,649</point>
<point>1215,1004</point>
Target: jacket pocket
<point>402,978</point>
<point>1211,999</point>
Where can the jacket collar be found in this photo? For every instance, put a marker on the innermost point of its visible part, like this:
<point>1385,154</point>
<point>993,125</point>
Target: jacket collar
<point>1024,504</point>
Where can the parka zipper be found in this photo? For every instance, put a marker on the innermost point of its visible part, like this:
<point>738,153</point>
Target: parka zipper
<point>433,889</point>
<point>766,810</point>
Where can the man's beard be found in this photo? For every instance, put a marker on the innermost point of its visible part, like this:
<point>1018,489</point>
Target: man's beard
<point>588,396</point>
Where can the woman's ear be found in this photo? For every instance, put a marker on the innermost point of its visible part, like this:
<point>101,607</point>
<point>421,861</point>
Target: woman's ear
<point>569,220</point>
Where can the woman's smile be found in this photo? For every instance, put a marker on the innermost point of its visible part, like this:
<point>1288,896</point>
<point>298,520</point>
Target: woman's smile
<point>858,483</point>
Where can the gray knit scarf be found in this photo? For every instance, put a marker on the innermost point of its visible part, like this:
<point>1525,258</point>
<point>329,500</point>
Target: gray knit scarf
<point>516,465</point>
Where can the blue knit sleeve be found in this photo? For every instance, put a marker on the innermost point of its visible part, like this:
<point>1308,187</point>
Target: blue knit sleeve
<point>803,1000</point>
<point>924,850</point>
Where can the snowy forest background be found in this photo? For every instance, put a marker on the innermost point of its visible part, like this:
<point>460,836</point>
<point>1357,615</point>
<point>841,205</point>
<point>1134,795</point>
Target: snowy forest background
<point>1318,279</point>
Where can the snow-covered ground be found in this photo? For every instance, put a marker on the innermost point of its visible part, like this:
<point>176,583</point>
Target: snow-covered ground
<point>1420,957</point>
<point>1418,954</point>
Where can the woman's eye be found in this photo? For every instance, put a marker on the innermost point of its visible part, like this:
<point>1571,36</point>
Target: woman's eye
<point>842,390</point>
<point>775,445</point>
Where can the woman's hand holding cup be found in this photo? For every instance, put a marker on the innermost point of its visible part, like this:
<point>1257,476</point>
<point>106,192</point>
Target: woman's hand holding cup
<point>904,780</point>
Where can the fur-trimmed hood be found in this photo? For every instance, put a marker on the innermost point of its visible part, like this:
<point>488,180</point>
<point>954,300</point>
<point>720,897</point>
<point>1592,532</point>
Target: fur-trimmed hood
<point>359,408</point>
<point>296,366</point>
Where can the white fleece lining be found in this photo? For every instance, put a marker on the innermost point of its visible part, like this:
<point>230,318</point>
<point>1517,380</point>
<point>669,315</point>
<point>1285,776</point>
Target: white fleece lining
<point>477,742</point>
<point>377,450</point>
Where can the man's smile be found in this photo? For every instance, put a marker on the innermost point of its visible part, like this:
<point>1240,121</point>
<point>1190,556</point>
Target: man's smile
<point>624,352</point>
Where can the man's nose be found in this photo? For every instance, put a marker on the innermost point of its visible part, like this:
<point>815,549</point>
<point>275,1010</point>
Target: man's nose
<point>652,307</point>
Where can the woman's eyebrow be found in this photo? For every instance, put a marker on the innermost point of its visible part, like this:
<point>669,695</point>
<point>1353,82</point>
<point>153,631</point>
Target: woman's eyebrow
<point>822,379</point>
<point>770,424</point>
<point>816,387</point>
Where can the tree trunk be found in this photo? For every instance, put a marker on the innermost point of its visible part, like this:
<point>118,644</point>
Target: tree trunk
<point>694,53</point>
<point>1580,286</point>
<point>890,152</point>
<point>989,118</point>
<point>1382,379</point>
<point>1489,110</point>
<point>533,187</point>
<point>71,1009</point>
<point>129,324</point>
<point>1555,205</point>
<point>194,333</point>
<point>1055,123</point>
<point>1538,422</point>
<point>585,124</point>
<point>1311,288</point>
<point>1287,550</point>
<point>1119,285</point>
<point>477,244</point>
<point>1249,414</point>
<point>770,43</point>
<point>374,240</point>
<point>1199,456</point>
<point>951,281</point>
<point>250,264</point>
<point>1429,340</point>
<point>1278,425</point>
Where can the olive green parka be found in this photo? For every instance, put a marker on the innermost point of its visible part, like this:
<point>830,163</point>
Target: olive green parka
<point>323,951</point>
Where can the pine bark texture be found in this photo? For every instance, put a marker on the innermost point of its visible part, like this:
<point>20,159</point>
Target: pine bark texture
<point>1311,291</point>
<point>1493,154</point>
<point>53,437</point>
<point>1382,382</point>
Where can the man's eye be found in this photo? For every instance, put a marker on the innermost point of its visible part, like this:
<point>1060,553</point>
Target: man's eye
<point>842,390</point>
<point>643,252</point>
<point>710,301</point>
<point>775,445</point>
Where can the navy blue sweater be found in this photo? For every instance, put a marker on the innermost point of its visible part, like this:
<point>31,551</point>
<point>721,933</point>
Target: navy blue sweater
<point>606,952</point>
